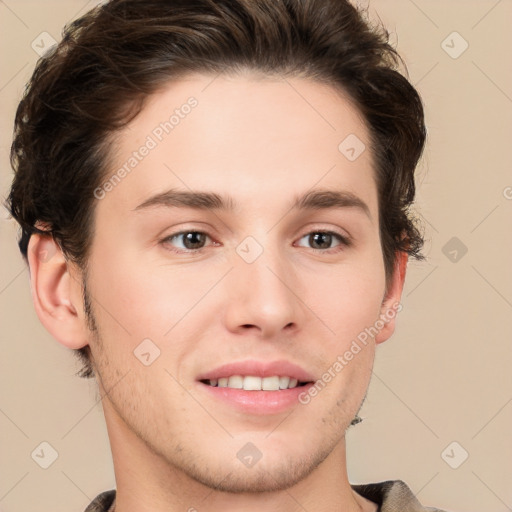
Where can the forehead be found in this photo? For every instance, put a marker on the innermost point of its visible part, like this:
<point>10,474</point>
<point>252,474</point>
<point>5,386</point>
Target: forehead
<point>252,136</point>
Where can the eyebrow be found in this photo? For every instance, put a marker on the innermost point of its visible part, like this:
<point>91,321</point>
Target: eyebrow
<point>313,200</point>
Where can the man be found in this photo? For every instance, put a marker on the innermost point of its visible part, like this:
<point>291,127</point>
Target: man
<point>223,187</point>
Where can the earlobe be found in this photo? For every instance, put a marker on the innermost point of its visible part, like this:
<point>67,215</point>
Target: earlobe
<point>51,286</point>
<point>391,305</point>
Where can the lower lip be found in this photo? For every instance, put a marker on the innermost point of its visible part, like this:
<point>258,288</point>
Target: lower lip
<point>258,402</point>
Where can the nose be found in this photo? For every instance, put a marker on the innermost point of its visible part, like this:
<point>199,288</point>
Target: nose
<point>262,297</point>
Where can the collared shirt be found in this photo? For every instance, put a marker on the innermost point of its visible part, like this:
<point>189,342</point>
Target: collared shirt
<point>391,496</point>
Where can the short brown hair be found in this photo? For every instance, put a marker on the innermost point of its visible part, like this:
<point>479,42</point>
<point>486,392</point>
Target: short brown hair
<point>114,57</point>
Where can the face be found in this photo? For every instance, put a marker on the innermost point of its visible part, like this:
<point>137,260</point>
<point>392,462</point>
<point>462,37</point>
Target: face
<point>241,243</point>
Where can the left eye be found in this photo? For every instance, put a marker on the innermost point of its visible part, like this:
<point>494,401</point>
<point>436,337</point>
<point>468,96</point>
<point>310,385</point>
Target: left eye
<point>188,240</point>
<point>321,240</point>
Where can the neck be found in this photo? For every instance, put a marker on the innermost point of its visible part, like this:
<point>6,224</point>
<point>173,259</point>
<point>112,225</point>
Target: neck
<point>146,482</point>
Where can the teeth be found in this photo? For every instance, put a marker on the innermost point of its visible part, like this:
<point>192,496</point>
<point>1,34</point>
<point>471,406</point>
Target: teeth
<point>236,382</point>
<point>283,382</point>
<point>270,383</point>
<point>253,383</point>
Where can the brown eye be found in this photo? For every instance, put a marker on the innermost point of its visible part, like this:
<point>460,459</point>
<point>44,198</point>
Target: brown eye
<point>188,240</point>
<point>323,240</point>
<point>320,240</point>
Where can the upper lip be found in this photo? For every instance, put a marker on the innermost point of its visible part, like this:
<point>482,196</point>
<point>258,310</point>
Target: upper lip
<point>281,368</point>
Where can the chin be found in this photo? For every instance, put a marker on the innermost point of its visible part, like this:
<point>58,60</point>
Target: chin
<point>277,473</point>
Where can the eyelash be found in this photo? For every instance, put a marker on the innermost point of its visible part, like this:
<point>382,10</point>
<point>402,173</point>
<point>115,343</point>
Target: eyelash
<point>344,241</point>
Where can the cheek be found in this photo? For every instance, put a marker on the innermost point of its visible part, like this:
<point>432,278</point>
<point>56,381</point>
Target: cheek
<point>137,299</point>
<point>347,298</point>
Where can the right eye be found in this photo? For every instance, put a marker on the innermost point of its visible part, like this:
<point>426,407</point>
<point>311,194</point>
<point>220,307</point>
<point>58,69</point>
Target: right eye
<point>187,241</point>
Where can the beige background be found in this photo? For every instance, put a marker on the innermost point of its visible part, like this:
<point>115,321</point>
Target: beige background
<point>444,377</point>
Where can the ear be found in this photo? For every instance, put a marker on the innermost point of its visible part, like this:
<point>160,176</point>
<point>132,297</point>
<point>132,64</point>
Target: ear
<point>56,293</point>
<point>391,304</point>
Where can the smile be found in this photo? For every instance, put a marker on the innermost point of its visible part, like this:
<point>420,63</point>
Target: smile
<point>255,383</point>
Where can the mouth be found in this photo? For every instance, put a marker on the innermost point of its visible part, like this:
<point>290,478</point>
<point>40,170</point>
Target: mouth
<point>255,387</point>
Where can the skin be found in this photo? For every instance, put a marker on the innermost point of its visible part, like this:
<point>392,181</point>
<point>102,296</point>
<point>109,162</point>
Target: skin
<point>174,447</point>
